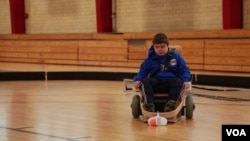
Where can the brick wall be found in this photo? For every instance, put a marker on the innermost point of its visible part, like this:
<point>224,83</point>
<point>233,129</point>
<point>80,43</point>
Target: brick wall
<point>79,16</point>
<point>5,26</point>
<point>57,16</point>
<point>246,14</point>
<point>159,15</point>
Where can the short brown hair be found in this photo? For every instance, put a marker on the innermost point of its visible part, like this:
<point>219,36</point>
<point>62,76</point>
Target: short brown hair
<point>160,38</point>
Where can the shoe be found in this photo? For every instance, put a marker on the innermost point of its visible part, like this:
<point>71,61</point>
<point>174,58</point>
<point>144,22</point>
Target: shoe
<point>150,107</point>
<point>169,106</point>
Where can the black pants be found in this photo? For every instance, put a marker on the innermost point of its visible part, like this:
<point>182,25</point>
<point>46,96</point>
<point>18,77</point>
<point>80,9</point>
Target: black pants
<point>173,86</point>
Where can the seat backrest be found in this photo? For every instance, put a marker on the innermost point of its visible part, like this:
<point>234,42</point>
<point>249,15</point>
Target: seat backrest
<point>176,48</point>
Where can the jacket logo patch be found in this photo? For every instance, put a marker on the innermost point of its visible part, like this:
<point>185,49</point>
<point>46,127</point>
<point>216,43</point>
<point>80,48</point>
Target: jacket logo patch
<point>173,62</point>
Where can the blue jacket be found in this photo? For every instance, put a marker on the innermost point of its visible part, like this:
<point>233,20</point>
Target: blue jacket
<point>176,67</point>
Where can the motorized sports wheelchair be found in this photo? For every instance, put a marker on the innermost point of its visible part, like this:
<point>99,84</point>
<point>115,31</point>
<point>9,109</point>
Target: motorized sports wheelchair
<point>184,105</point>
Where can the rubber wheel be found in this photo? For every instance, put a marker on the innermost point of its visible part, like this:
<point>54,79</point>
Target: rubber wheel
<point>136,109</point>
<point>189,107</point>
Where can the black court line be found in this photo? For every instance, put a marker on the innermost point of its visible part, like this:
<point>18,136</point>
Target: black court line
<point>64,101</point>
<point>23,128</point>
<point>82,138</point>
<point>223,98</point>
<point>213,89</point>
<point>41,134</point>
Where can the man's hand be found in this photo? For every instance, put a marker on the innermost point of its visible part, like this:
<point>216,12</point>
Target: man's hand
<point>137,84</point>
<point>187,85</point>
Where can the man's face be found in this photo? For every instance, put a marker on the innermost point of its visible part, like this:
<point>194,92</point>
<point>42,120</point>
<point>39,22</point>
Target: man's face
<point>161,49</point>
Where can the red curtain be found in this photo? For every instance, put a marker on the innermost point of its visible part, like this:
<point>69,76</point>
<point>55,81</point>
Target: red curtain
<point>17,15</point>
<point>232,14</point>
<point>104,15</point>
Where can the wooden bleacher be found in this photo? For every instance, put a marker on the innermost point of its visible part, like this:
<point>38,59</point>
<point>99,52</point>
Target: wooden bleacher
<point>215,57</point>
<point>211,50</point>
<point>231,55</point>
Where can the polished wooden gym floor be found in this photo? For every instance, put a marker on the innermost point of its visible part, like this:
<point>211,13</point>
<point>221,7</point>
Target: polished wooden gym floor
<point>91,110</point>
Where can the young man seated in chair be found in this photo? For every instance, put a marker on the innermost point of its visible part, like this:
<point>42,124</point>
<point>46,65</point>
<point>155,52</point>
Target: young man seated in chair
<point>162,67</point>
